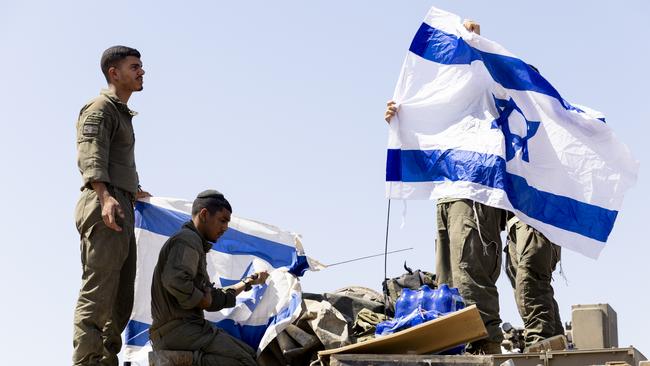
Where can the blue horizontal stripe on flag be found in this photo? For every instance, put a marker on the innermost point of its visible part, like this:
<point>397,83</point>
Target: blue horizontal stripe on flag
<point>167,222</point>
<point>512,73</point>
<point>235,242</point>
<point>438,165</point>
<point>490,170</point>
<point>159,220</point>
<point>137,333</point>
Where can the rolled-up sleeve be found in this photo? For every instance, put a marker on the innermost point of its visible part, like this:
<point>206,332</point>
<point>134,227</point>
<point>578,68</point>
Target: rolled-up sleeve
<point>179,273</point>
<point>94,130</point>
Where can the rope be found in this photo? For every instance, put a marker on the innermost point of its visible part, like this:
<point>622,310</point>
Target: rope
<point>386,260</point>
<point>478,227</point>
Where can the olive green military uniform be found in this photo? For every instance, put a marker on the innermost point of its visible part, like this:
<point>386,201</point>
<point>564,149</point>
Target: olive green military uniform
<point>105,143</point>
<point>179,282</point>
<point>468,256</point>
<point>530,261</point>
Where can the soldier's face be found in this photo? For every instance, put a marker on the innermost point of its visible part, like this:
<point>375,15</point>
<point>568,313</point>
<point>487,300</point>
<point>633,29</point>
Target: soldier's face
<point>129,74</point>
<point>215,225</point>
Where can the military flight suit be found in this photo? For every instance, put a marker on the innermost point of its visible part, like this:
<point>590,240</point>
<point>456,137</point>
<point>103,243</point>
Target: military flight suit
<point>471,261</point>
<point>180,279</point>
<point>530,260</point>
<point>105,144</point>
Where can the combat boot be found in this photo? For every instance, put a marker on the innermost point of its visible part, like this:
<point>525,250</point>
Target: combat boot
<point>484,347</point>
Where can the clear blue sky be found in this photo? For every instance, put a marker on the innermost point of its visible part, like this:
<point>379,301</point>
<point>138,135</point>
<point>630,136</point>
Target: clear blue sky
<point>279,105</point>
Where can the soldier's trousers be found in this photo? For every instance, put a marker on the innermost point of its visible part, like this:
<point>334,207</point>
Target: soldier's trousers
<point>469,261</point>
<point>211,346</point>
<point>530,260</point>
<point>108,260</point>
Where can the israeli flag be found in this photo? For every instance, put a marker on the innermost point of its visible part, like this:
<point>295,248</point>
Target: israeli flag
<point>477,122</point>
<point>245,248</point>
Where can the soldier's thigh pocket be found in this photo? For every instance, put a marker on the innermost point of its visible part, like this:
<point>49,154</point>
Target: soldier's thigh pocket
<point>88,212</point>
<point>104,248</point>
<point>481,256</point>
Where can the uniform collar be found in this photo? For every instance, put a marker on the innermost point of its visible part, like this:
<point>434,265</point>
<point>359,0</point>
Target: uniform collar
<point>206,244</point>
<point>120,104</point>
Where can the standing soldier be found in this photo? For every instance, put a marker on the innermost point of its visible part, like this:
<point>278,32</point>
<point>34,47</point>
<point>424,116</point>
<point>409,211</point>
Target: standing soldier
<point>468,256</point>
<point>530,261</point>
<point>468,251</point>
<point>104,214</point>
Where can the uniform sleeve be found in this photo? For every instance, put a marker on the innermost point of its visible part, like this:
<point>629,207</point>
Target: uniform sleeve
<point>94,131</point>
<point>222,299</point>
<point>178,275</point>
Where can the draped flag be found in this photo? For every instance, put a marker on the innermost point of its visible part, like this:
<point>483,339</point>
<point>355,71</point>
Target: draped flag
<point>477,122</point>
<point>245,248</point>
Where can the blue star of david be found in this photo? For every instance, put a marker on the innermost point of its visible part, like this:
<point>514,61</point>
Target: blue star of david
<point>514,142</point>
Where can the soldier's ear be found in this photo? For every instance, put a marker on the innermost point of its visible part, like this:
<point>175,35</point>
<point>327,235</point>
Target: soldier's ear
<point>113,73</point>
<point>203,214</point>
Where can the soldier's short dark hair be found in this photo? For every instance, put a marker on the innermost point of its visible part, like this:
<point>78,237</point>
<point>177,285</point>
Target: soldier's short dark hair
<point>114,55</point>
<point>212,200</point>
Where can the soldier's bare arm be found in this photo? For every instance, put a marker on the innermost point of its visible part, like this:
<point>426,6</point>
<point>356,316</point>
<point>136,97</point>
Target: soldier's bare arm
<point>255,279</point>
<point>225,297</point>
<point>110,206</point>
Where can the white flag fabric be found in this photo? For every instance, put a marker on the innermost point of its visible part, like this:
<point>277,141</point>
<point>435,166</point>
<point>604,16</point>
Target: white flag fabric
<point>477,122</point>
<point>246,247</point>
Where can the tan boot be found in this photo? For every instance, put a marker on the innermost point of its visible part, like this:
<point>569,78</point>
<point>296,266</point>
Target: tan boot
<point>555,343</point>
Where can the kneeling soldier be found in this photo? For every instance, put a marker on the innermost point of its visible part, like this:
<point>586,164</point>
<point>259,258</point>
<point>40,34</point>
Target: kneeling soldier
<point>181,290</point>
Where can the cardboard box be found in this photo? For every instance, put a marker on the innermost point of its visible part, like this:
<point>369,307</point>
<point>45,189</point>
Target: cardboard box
<point>437,335</point>
<point>408,360</point>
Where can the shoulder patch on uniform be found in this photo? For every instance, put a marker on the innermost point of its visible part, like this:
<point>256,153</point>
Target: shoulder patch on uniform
<point>91,124</point>
<point>90,129</point>
<point>190,257</point>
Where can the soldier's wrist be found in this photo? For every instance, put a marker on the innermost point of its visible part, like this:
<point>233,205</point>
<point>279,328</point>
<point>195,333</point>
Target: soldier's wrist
<point>248,283</point>
<point>102,191</point>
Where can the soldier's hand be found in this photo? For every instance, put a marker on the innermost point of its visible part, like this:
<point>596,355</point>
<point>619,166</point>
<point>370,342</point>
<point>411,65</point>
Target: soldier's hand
<point>259,278</point>
<point>472,26</point>
<point>206,300</point>
<point>391,110</point>
<point>110,209</point>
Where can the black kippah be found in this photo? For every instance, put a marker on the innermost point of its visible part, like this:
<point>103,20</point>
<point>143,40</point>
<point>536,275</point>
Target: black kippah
<point>211,199</point>
<point>210,193</point>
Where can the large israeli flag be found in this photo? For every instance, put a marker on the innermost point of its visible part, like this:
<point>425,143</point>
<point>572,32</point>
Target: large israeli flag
<point>477,122</point>
<point>246,247</point>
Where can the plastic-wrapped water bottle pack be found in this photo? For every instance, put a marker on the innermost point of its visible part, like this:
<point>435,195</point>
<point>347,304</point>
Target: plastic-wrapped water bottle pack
<point>414,307</point>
